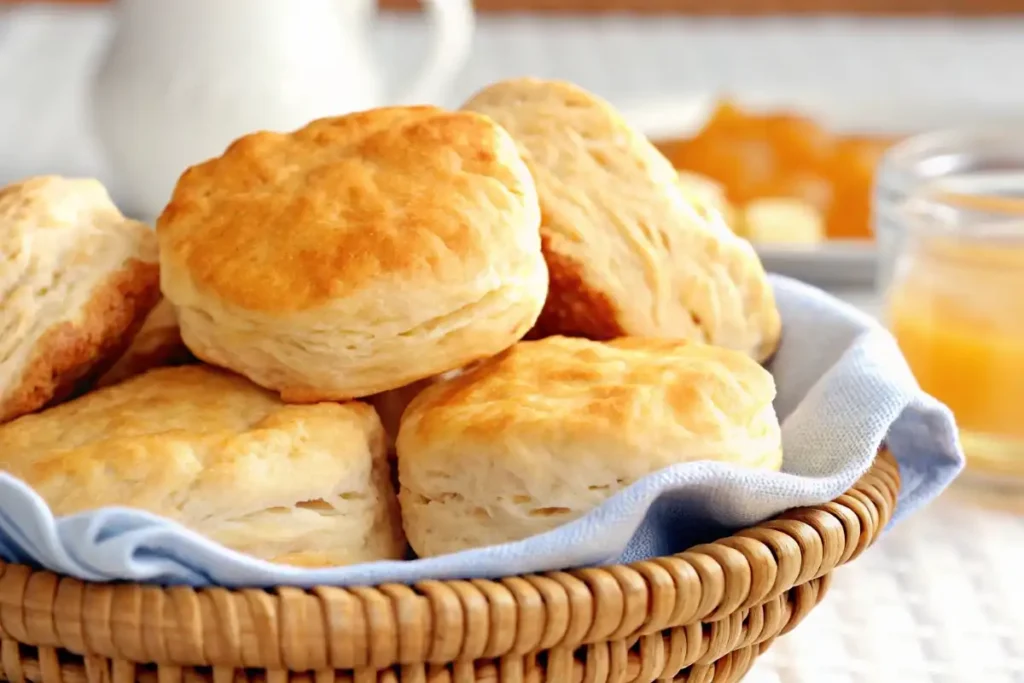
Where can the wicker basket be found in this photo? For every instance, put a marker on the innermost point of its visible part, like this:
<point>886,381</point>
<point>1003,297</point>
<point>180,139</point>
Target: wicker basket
<point>699,616</point>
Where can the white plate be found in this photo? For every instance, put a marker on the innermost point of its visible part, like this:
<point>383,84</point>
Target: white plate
<point>835,262</point>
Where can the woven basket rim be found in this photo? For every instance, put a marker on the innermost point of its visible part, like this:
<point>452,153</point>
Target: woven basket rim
<point>441,622</point>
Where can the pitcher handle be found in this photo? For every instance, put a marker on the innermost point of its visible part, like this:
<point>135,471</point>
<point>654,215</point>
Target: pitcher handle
<point>453,23</point>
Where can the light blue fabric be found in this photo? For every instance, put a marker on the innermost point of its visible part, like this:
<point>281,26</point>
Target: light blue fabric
<point>843,387</point>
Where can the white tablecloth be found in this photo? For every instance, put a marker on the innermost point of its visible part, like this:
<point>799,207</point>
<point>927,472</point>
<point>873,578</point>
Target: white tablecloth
<point>937,601</point>
<point>46,59</point>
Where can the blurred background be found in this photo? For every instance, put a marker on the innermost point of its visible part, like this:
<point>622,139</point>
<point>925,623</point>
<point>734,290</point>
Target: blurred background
<point>638,54</point>
<point>178,81</point>
<point>779,111</point>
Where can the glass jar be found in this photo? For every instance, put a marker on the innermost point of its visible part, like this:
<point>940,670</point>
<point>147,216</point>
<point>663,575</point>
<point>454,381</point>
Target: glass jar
<point>949,219</point>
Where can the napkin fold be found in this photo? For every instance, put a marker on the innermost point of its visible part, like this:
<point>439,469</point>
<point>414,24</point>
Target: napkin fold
<point>843,390</point>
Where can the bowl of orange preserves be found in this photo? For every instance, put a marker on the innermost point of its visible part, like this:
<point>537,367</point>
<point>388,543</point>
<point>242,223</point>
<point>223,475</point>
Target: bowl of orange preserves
<point>794,174</point>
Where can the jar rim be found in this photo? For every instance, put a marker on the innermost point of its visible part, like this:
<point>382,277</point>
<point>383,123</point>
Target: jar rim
<point>929,177</point>
<point>925,213</point>
<point>944,139</point>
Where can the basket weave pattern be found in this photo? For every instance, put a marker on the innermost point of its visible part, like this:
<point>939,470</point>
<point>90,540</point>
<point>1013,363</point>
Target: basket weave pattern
<point>703,615</point>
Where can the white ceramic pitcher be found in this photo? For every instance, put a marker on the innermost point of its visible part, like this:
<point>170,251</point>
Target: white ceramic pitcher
<point>182,78</point>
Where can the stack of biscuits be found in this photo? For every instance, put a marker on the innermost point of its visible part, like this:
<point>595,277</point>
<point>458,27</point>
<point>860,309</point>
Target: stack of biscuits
<point>401,327</point>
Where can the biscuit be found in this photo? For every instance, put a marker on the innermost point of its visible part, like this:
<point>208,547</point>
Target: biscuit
<point>628,254</point>
<point>548,430</point>
<point>77,282</point>
<point>390,405</point>
<point>304,485</point>
<point>356,255</point>
<point>157,344</point>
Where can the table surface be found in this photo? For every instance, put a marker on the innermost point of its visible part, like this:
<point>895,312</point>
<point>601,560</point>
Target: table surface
<point>939,598</point>
<point>47,58</point>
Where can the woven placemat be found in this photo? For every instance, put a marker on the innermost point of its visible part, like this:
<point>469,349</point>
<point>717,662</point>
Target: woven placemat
<point>938,600</point>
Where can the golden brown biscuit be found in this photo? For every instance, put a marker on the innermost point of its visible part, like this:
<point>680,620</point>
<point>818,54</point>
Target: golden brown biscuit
<point>305,485</point>
<point>628,253</point>
<point>357,254</point>
<point>390,405</point>
<point>157,344</point>
<point>78,279</point>
<point>548,430</point>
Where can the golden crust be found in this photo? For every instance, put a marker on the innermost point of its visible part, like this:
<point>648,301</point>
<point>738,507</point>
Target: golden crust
<point>357,254</point>
<point>218,454</point>
<point>391,404</point>
<point>79,279</point>
<point>157,344</point>
<point>289,222</point>
<point>627,253</point>
<point>549,429</point>
<point>573,306</point>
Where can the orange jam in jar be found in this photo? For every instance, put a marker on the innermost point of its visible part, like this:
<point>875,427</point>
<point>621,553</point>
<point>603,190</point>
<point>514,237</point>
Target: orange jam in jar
<point>949,211</point>
<point>776,155</point>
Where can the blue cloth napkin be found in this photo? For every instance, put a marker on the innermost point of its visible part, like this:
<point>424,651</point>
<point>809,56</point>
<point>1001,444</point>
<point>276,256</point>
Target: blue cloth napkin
<point>843,389</point>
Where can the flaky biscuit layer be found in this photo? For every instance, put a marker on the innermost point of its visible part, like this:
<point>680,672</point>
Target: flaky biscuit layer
<point>78,279</point>
<point>627,253</point>
<point>304,485</point>
<point>357,254</point>
<point>543,433</point>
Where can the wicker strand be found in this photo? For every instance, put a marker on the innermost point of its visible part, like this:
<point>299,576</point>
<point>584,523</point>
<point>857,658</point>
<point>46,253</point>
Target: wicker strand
<point>703,615</point>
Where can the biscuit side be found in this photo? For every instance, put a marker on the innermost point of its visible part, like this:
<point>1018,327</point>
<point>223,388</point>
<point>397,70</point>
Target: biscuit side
<point>360,521</point>
<point>221,456</point>
<point>72,352</point>
<point>400,243</point>
<point>573,307</point>
<point>542,434</point>
<point>77,281</point>
<point>627,253</point>
<point>157,344</point>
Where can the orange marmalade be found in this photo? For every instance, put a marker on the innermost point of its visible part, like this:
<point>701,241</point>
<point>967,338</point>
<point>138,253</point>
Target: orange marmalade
<point>956,307</point>
<point>785,155</point>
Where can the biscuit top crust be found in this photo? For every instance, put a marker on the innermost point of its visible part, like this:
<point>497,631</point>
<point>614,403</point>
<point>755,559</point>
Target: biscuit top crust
<point>62,240</point>
<point>628,254</point>
<point>542,397</point>
<point>191,443</point>
<point>414,196</point>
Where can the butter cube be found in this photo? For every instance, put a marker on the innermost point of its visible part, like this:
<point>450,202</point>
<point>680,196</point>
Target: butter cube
<point>783,221</point>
